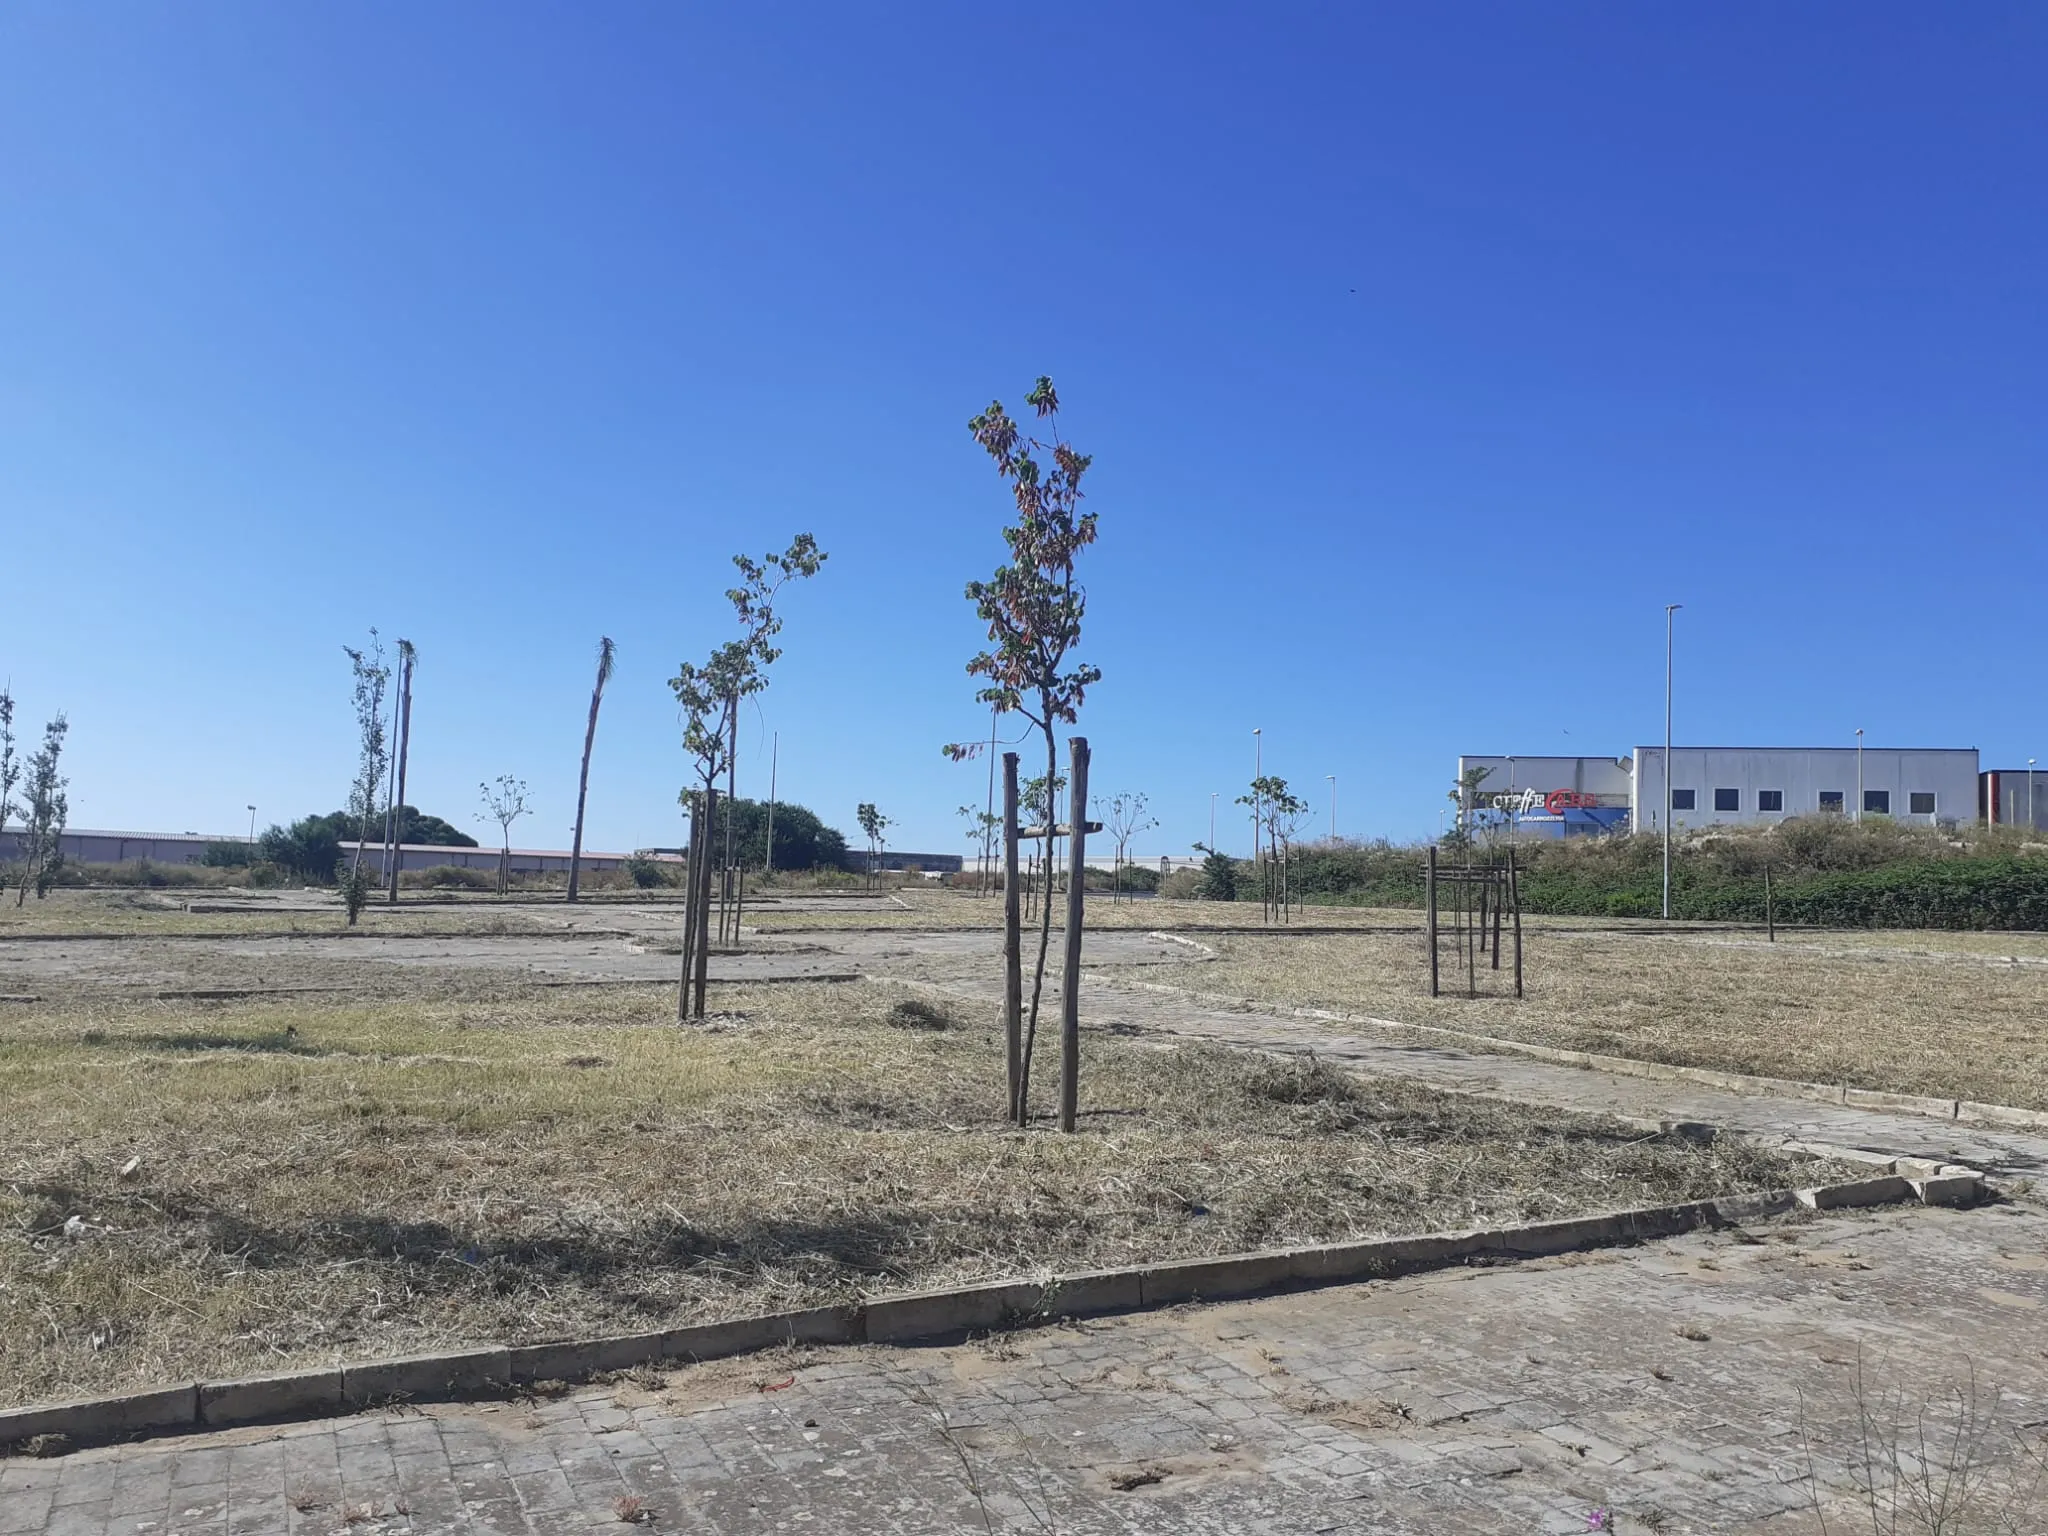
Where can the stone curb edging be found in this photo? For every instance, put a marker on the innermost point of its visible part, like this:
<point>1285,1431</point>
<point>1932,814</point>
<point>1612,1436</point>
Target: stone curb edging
<point>1967,1111</point>
<point>943,1315</point>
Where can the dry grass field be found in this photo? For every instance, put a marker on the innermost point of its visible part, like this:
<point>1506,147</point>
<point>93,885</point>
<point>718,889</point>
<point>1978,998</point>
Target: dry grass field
<point>191,1190</point>
<point>1951,1015</point>
<point>163,914</point>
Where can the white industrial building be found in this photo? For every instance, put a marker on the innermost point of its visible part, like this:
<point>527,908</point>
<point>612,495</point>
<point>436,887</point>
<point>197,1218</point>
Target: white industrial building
<point>1740,786</point>
<point>1722,786</point>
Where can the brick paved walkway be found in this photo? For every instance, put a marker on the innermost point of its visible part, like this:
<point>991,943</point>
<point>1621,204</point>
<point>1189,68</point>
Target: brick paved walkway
<point>1684,1386</point>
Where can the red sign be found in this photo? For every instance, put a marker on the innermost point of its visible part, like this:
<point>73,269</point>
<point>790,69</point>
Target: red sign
<point>1559,801</point>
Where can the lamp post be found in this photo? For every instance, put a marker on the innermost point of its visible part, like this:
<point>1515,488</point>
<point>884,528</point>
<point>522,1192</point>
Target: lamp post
<point>1258,772</point>
<point>2030,795</point>
<point>1212,821</point>
<point>1669,610</point>
<point>1859,774</point>
<point>1333,805</point>
<point>252,822</point>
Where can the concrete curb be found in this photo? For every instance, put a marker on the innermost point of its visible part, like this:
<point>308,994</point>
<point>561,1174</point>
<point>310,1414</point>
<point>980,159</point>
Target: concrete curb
<point>945,1315</point>
<point>1964,1110</point>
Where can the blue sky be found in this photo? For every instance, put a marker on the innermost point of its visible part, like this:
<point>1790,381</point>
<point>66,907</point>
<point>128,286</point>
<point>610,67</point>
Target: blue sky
<point>1424,353</point>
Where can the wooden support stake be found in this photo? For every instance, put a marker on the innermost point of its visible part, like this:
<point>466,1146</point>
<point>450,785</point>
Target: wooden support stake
<point>1770,912</point>
<point>1013,953</point>
<point>1429,898</point>
<point>694,852</point>
<point>1466,915</point>
<point>1515,896</point>
<point>1497,888</point>
<point>703,957</point>
<point>1070,984</point>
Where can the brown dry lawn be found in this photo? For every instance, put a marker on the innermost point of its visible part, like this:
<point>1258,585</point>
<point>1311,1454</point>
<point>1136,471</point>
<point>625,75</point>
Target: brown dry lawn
<point>191,1191</point>
<point>1951,1015</point>
<point>161,914</point>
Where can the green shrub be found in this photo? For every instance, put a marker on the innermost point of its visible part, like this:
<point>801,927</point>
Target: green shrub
<point>450,877</point>
<point>653,874</point>
<point>228,855</point>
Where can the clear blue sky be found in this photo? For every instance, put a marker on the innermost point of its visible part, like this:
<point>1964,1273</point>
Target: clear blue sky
<point>1425,352</point>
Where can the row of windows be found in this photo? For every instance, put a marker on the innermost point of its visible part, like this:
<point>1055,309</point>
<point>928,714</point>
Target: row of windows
<point>1876,802</point>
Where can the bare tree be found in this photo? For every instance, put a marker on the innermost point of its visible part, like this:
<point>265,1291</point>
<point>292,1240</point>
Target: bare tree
<point>1127,819</point>
<point>44,809</point>
<point>372,675</point>
<point>505,803</point>
<point>607,654</point>
<point>1033,608</point>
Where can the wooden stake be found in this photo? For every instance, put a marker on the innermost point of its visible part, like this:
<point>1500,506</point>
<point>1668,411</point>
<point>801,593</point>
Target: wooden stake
<point>1013,952</point>
<point>1429,883</point>
<point>703,956</point>
<point>1497,892</point>
<point>1515,896</point>
<point>1070,987</point>
<point>692,855</point>
<point>1770,913</point>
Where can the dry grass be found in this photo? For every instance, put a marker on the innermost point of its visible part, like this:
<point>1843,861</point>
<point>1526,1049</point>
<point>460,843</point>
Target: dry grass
<point>190,1192</point>
<point>154,914</point>
<point>1928,1013</point>
<point>936,907</point>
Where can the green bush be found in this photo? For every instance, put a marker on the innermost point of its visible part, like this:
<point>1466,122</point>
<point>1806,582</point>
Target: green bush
<point>228,855</point>
<point>653,874</point>
<point>450,877</point>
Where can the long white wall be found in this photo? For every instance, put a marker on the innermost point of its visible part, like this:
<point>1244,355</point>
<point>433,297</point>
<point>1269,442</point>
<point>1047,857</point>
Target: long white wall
<point>1943,779</point>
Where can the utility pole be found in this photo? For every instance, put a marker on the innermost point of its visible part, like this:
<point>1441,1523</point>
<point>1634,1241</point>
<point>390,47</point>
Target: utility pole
<point>1333,805</point>
<point>1212,821</point>
<point>1669,610</point>
<point>1859,774</point>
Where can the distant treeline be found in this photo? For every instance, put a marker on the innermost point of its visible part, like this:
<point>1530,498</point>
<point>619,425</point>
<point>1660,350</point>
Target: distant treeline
<point>1826,871</point>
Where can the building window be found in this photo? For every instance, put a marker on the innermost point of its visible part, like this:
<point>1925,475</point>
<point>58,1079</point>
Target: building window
<point>1727,799</point>
<point>1770,800</point>
<point>1831,800</point>
<point>1877,802</point>
<point>1921,802</point>
<point>1681,799</point>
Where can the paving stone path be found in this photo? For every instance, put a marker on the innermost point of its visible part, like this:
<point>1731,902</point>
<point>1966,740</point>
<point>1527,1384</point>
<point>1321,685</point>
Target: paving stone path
<point>1689,1385</point>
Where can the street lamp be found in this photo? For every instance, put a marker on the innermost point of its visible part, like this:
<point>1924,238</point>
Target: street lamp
<point>1258,772</point>
<point>1212,821</point>
<point>1669,609</point>
<point>1333,805</point>
<point>1859,773</point>
<point>2030,795</point>
<point>252,825</point>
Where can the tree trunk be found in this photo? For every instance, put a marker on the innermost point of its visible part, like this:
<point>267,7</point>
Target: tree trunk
<point>505,864</point>
<point>1044,923</point>
<point>404,743</point>
<point>583,778</point>
<point>703,955</point>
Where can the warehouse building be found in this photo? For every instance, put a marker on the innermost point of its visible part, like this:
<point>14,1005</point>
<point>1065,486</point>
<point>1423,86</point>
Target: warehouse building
<point>2013,797</point>
<point>1722,786</point>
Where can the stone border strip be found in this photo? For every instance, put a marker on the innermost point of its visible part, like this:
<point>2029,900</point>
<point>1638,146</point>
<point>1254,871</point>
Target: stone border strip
<point>947,1315</point>
<point>1967,1111</point>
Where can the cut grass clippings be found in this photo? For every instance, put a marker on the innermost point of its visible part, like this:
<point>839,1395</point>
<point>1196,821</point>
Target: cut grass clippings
<point>191,1192</point>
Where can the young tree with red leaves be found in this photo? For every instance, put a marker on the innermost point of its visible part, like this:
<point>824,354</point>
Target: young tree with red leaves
<point>1033,608</point>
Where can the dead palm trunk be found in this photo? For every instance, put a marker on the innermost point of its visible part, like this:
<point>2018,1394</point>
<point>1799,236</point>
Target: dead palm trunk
<point>606,653</point>
<point>407,656</point>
